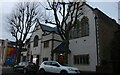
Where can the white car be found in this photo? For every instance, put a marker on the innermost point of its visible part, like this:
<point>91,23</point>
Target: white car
<point>55,67</point>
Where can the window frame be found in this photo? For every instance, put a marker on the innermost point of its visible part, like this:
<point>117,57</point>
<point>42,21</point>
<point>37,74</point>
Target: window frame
<point>81,59</point>
<point>80,29</point>
<point>36,41</point>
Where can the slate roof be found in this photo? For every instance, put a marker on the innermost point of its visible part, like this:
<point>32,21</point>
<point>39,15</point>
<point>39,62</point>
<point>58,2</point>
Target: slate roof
<point>46,28</point>
<point>60,48</point>
<point>100,13</point>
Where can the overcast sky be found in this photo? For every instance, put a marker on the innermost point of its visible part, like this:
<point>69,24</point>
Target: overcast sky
<point>109,7</point>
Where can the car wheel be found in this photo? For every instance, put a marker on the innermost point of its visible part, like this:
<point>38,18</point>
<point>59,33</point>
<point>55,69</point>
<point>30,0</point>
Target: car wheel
<point>42,72</point>
<point>63,73</point>
<point>25,71</point>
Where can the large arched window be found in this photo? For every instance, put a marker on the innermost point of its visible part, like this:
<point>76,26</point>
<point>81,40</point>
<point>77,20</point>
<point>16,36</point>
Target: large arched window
<point>84,26</point>
<point>75,31</point>
<point>36,39</point>
<point>80,29</point>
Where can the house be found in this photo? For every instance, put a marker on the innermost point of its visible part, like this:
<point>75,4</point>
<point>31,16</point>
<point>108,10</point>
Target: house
<point>90,42</point>
<point>8,52</point>
<point>91,46</point>
<point>43,40</point>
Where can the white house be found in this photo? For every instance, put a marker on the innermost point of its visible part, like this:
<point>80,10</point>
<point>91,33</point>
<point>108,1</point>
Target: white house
<point>43,40</point>
<point>90,42</point>
<point>7,52</point>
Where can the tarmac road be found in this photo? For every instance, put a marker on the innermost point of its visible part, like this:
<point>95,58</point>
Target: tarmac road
<point>9,71</point>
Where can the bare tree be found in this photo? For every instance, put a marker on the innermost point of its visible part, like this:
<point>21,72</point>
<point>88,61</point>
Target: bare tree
<point>21,23</point>
<point>65,17</point>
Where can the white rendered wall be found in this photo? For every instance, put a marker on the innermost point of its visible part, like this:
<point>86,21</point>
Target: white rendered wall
<point>35,50</point>
<point>86,45</point>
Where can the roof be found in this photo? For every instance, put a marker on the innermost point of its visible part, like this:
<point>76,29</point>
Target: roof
<point>60,48</point>
<point>46,28</point>
<point>100,13</point>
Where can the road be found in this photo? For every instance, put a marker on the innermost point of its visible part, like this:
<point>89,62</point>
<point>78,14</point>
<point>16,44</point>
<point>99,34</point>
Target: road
<point>9,71</point>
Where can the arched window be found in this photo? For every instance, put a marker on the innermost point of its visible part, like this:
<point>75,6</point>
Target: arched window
<point>84,26</point>
<point>36,39</point>
<point>75,31</point>
<point>80,29</point>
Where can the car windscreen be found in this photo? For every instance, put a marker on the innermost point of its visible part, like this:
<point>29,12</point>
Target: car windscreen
<point>25,63</point>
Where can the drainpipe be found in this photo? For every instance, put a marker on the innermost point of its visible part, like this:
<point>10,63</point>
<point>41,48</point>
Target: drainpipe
<point>97,40</point>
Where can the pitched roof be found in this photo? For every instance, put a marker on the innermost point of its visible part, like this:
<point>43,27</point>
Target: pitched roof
<point>100,13</point>
<point>60,48</point>
<point>46,28</point>
<point>104,16</point>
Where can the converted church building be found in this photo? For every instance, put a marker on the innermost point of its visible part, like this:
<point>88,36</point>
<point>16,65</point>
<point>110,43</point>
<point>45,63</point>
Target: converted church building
<point>90,42</point>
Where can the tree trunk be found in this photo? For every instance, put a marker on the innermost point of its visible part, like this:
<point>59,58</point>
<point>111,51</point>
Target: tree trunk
<point>66,51</point>
<point>18,53</point>
<point>18,56</point>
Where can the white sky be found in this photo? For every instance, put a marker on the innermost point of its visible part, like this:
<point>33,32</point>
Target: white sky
<point>109,7</point>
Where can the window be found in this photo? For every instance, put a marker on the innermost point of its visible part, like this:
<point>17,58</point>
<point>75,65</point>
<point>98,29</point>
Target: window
<point>75,31</point>
<point>80,29</point>
<point>47,63</point>
<point>24,63</point>
<point>46,44</point>
<point>20,64</point>
<point>81,59</point>
<point>55,64</point>
<point>84,26</point>
<point>36,39</point>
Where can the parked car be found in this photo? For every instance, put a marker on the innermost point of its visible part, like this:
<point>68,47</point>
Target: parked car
<point>56,67</point>
<point>26,67</point>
